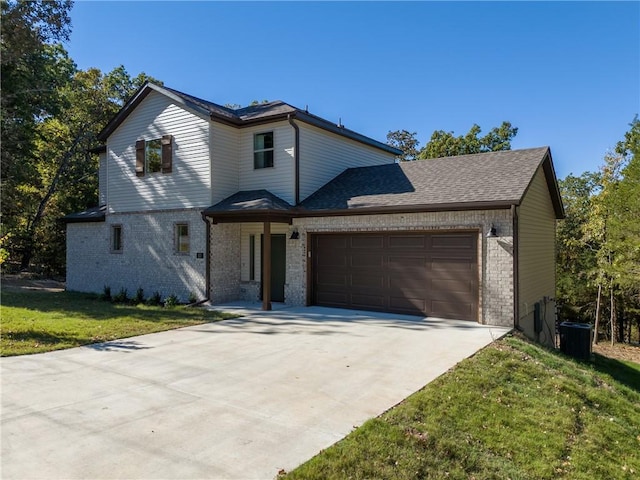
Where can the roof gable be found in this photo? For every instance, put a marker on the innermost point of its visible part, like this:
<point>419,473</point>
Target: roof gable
<point>243,117</point>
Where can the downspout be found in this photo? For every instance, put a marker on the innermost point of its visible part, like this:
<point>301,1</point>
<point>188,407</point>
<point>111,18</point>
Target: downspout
<point>516,283</point>
<point>207,262</point>
<point>296,158</point>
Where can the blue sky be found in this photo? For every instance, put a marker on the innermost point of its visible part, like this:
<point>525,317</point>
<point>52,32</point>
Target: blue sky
<point>566,74</point>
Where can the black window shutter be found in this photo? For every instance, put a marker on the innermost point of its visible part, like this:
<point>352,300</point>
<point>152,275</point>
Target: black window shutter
<point>167,153</point>
<point>139,158</point>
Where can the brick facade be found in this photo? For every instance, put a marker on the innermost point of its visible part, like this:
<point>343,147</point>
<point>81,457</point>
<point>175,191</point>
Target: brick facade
<point>495,255</point>
<point>148,258</point>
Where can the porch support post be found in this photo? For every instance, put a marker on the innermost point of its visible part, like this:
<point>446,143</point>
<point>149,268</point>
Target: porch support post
<point>266,267</point>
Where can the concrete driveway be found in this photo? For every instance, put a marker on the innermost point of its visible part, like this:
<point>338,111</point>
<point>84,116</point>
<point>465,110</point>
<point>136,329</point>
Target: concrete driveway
<point>242,398</point>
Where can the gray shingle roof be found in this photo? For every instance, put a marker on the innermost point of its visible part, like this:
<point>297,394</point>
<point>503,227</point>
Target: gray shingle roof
<point>250,201</point>
<point>94,214</point>
<point>265,112</point>
<point>485,178</point>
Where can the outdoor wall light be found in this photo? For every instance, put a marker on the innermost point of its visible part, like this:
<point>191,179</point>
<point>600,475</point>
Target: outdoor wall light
<point>493,232</point>
<point>294,235</point>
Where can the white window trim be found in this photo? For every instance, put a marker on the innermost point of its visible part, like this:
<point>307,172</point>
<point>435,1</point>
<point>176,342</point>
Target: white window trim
<point>176,238</point>
<point>260,150</point>
<point>112,238</point>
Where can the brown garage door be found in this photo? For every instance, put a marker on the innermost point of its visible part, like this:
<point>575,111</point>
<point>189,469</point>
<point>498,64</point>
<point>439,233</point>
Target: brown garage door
<point>433,274</point>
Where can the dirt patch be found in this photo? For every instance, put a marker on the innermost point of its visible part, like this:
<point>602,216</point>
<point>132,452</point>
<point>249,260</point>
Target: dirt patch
<point>25,281</point>
<point>619,351</point>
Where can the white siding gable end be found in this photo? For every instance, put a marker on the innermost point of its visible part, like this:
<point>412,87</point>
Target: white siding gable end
<point>189,183</point>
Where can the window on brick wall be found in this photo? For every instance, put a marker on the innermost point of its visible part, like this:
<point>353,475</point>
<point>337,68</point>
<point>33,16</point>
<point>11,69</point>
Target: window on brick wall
<point>181,238</point>
<point>116,239</point>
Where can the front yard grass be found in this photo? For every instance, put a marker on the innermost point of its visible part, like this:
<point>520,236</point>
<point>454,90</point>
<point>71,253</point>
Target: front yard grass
<point>513,411</point>
<point>35,322</point>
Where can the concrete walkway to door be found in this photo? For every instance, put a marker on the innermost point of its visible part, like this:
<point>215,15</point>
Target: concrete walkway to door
<point>241,398</point>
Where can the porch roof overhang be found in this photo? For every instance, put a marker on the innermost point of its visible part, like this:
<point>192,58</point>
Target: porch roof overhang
<point>251,206</point>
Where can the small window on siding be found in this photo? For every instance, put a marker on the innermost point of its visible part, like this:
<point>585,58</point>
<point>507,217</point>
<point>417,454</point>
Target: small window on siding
<point>263,150</point>
<point>116,238</point>
<point>252,257</point>
<point>182,238</point>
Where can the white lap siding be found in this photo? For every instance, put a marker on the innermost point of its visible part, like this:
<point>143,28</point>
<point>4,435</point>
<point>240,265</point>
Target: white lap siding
<point>324,156</point>
<point>189,183</point>
<point>148,259</point>
<point>536,269</point>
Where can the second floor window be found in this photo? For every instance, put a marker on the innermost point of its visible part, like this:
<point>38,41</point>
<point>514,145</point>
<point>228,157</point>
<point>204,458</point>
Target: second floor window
<point>153,155</point>
<point>263,150</point>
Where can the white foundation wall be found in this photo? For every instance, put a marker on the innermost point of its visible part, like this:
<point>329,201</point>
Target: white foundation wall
<point>148,259</point>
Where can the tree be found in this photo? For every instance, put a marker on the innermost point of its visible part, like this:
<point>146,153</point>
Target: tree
<point>446,144</point>
<point>405,141</point>
<point>66,170</point>
<point>599,242</point>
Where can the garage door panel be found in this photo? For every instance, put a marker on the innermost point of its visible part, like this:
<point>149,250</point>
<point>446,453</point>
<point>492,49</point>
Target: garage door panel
<point>420,273</point>
<point>367,241</point>
<point>449,264</point>
<point>367,260</point>
<point>464,241</point>
<point>334,261</point>
<point>367,280</point>
<point>409,305</point>
<point>367,301</point>
<point>333,298</point>
<point>329,279</point>
<point>407,241</point>
<point>459,285</point>
<point>446,309</point>
<point>408,261</point>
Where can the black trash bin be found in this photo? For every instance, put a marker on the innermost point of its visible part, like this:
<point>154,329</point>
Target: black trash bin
<point>575,340</point>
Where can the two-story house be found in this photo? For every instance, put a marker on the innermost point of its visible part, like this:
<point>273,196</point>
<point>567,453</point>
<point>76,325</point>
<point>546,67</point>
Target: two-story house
<point>272,203</point>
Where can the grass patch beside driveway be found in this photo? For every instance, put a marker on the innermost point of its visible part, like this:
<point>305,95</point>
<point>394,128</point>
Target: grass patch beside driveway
<point>36,322</point>
<point>514,410</point>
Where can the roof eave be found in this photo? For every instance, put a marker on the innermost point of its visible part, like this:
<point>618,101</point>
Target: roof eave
<point>239,216</point>
<point>387,209</point>
<point>137,98</point>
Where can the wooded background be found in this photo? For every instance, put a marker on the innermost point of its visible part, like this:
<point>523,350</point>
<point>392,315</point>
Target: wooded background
<point>51,113</point>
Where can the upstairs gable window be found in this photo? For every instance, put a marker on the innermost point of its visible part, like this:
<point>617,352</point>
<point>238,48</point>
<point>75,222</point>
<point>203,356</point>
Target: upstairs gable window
<point>263,150</point>
<point>154,156</point>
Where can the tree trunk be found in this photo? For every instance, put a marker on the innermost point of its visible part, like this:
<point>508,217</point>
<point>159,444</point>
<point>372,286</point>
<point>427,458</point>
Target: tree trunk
<point>597,323</point>
<point>613,318</point>
<point>33,224</point>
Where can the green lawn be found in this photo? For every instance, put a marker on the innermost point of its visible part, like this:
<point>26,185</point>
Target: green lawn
<point>514,410</point>
<point>34,322</point>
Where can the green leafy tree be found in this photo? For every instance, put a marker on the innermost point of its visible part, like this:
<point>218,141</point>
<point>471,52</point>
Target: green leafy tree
<point>599,243</point>
<point>66,177</point>
<point>405,141</point>
<point>34,67</point>
<point>446,144</point>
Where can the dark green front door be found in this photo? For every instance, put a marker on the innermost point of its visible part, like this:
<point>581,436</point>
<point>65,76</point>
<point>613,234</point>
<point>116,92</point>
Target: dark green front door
<point>278,263</point>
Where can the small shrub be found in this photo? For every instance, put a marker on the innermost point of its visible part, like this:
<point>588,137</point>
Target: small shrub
<point>121,296</point>
<point>171,301</point>
<point>193,298</point>
<point>155,299</point>
<point>106,294</point>
<point>139,298</point>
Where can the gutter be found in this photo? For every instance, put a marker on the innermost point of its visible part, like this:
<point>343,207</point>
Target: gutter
<point>296,156</point>
<point>207,262</point>
<point>516,269</point>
